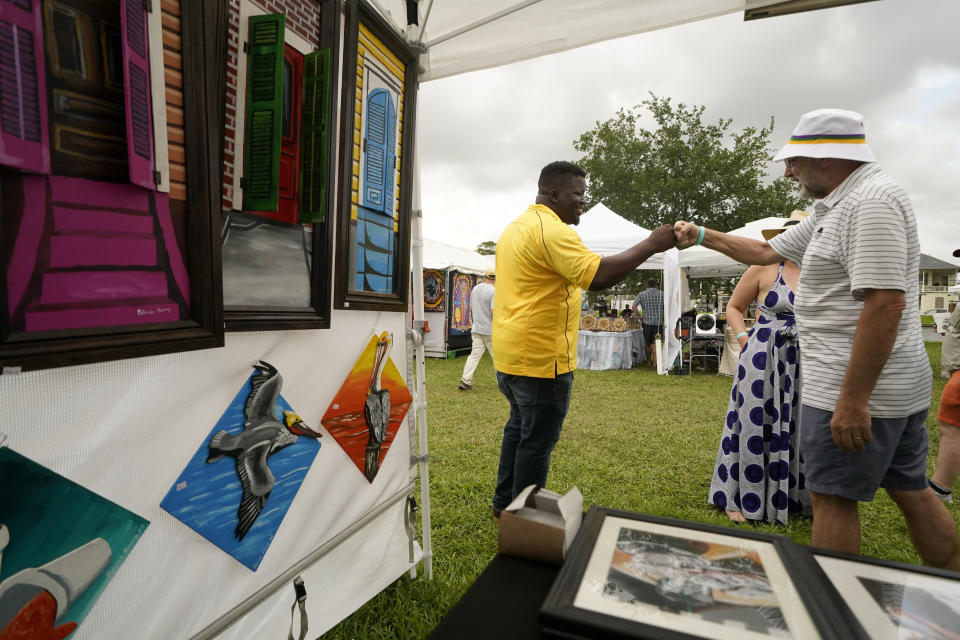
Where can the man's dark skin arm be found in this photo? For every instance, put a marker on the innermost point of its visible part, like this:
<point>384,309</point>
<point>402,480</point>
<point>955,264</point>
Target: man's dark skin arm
<point>615,268</point>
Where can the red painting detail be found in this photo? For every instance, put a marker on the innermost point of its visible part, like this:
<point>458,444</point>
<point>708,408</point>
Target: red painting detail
<point>35,621</point>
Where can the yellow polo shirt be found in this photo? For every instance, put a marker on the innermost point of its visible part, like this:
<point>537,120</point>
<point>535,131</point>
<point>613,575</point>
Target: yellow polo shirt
<point>541,267</point>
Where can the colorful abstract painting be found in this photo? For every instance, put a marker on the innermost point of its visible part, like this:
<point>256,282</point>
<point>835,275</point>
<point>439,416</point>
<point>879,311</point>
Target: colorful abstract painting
<point>60,544</point>
<point>366,412</point>
<point>433,297</point>
<point>460,289</point>
<point>238,486</point>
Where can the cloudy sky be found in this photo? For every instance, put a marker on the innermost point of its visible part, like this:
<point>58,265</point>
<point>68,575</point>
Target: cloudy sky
<point>483,136</point>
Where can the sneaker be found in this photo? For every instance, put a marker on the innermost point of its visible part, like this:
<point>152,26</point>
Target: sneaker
<point>496,514</point>
<point>465,386</point>
<point>944,494</point>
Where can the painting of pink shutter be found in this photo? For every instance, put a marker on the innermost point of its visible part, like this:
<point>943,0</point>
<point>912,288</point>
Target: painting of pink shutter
<point>24,135</point>
<point>136,90</point>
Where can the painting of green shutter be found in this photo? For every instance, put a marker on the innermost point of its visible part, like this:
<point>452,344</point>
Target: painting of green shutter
<point>313,150</point>
<point>261,165</point>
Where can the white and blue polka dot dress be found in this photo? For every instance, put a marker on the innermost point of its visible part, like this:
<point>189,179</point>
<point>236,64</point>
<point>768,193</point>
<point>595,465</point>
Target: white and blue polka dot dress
<point>759,469</point>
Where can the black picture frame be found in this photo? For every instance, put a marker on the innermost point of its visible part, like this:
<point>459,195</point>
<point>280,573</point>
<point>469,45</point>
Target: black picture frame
<point>874,594</point>
<point>319,247</point>
<point>359,12</point>
<point>203,28</point>
<point>602,594</point>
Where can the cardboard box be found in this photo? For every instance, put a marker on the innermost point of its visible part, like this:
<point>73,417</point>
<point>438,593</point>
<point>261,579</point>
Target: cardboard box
<point>540,525</point>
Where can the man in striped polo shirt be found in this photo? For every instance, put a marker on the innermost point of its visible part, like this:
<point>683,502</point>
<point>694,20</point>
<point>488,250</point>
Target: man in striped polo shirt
<point>866,376</point>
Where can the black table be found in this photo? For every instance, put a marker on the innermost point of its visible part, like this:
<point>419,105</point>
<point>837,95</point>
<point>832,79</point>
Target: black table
<point>502,603</point>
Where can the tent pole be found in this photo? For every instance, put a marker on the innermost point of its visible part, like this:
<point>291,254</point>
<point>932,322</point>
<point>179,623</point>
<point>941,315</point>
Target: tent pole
<point>420,454</point>
<point>423,25</point>
<point>483,21</point>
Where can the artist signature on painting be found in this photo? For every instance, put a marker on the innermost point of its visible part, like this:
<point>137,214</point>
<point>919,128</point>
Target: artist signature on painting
<point>154,311</point>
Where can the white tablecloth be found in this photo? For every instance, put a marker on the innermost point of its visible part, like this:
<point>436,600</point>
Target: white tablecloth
<point>601,350</point>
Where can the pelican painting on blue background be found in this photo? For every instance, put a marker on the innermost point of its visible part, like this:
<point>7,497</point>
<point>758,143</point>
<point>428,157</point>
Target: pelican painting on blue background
<point>238,486</point>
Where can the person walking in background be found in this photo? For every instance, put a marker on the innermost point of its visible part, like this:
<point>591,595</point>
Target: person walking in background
<point>650,302</point>
<point>759,470</point>
<point>866,375</point>
<point>481,331</point>
<point>947,469</point>
<point>541,267</point>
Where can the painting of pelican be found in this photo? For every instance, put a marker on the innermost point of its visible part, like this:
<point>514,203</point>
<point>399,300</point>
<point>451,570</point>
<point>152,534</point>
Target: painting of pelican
<point>367,411</point>
<point>376,410</point>
<point>238,486</point>
<point>263,434</point>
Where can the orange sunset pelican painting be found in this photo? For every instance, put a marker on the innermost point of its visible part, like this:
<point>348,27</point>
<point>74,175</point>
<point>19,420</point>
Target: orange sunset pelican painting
<point>367,411</point>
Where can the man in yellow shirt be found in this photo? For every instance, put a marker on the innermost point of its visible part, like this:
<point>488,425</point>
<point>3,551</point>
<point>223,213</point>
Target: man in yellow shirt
<point>541,267</point>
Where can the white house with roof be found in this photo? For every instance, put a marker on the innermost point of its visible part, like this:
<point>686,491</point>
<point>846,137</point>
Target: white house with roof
<point>936,277</point>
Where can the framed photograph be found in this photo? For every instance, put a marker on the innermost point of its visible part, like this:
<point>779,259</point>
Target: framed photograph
<point>892,599</point>
<point>376,160</point>
<point>276,232</point>
<point>108,189</point>
<point>629,575</point>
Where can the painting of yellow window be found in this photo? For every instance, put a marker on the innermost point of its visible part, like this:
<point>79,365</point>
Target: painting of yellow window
<point>376,207</point>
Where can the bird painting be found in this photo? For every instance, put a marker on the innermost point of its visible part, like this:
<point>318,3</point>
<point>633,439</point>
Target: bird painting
<point>262,435</point>
<point>369,408</point>
<point>376,409</point>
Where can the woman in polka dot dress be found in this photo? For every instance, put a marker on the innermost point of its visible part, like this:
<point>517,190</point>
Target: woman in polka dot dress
<point>759,470</point>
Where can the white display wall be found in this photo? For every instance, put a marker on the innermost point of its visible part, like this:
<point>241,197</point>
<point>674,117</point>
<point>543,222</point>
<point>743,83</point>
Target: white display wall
<point>126,429</point>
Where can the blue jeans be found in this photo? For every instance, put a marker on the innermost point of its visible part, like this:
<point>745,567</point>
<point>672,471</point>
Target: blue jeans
<point>537,409</point>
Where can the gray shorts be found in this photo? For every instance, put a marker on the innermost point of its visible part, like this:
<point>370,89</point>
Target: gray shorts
<point>896,457</point>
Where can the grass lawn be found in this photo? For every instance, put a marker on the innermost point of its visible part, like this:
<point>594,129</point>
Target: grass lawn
<point>632,440</point>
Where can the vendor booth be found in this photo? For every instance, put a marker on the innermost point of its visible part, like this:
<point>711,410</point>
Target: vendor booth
<point>213,414</point>
<point>607,233</point>
<point>449,275</point>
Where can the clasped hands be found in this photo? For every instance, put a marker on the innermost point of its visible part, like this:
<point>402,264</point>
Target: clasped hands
<point>680,235</point>
<point>685,234</point>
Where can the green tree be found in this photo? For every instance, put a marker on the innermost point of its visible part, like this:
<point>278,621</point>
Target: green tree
<point>683,168</point>
<point>487,248</point>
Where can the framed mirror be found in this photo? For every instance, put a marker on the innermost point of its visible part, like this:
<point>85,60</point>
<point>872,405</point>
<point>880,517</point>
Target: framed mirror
<point>276,231</point>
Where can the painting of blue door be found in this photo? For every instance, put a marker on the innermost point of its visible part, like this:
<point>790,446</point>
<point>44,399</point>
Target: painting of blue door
<point>376,237</point>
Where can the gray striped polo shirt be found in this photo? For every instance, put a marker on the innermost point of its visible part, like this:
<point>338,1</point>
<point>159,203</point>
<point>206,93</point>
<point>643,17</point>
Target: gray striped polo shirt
<point>863,235</point>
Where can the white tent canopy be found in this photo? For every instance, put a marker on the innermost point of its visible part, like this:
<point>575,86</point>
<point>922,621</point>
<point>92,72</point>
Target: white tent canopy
<point>438,255</point>
<point>466,36</point>
<point>701,262</point>
<point>607,233</point>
